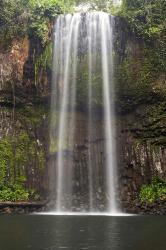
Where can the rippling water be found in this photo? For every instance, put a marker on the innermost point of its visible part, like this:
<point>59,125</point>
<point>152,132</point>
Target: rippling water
<point>40,232</point>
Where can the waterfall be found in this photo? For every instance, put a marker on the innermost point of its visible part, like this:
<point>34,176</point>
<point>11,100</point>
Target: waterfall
<point>117,2</point>
<point>83,72</point>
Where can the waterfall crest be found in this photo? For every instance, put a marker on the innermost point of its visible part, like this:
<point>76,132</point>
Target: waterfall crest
<point>83,52</point>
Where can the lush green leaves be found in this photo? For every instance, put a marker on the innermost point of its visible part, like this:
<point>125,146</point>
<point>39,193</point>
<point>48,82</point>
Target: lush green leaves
<point>51,7</point>
<point>13,193</point>
<point>146,17</point>
<point>16,153</point>
<point>13,18</point>
<point>41,14</point>
<point>21,17</point>
<point>154,191</point>
<point>138,74</point>
<point>17,192</point>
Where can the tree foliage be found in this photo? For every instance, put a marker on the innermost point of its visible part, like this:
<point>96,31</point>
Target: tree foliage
<point>22,17</point>
<point>12,19</point>
<point>146,20</point>
<point>147,17</point>
<point>43,12</point>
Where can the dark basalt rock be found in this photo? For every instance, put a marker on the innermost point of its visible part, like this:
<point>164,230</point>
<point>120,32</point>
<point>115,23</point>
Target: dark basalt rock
<point>22,207</point>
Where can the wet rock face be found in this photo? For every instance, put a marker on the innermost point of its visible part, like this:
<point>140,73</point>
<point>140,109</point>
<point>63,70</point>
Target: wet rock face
<point>76,161</point>
<point>23,119</point>
<point>23,70</point>
<point>23,146</point>
<point>136,207</point>
<point>140,108</point>
<point>142,156</point>
<point>12,61</point>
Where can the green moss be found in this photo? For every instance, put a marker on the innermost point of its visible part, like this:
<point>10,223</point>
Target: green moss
<point>136,79</point>
<point>22,152</point>
<point>43,62</point>
<point>149,125</point>
<point>138,75</point>
<point>16,152</point>
<point>33,116</point>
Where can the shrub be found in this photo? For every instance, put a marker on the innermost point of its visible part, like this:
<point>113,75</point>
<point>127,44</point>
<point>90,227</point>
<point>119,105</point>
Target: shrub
<point>42,13</point>
<point>156,190</point>
<point>17,192</point>
<point>13,193</point>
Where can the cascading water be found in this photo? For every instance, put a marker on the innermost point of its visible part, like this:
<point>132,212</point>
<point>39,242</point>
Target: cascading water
<point>83,52</point>
<point>117,2</point>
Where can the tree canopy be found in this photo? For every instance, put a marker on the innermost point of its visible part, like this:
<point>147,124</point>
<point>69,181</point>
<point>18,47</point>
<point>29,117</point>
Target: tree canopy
<point>147,17</point>
<point>15,14</point>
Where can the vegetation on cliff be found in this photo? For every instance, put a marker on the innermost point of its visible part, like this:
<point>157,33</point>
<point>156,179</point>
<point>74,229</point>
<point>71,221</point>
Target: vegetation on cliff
<point>23,17</point>
<point>141,78</point>
<point>147,18</point>
<point>22,155</point>
<point>154,191</point>
<point>141,72</point>
<point>140,85</point>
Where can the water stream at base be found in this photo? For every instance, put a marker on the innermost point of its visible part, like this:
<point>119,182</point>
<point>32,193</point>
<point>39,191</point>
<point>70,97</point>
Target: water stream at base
<point>83,57</point>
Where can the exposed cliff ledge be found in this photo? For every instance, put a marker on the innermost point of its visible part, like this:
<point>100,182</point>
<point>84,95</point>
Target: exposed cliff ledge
<point>13,60</point>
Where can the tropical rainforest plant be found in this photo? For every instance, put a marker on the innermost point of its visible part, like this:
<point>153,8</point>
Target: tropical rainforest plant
<point>156,190</point>
<point>147,17</point>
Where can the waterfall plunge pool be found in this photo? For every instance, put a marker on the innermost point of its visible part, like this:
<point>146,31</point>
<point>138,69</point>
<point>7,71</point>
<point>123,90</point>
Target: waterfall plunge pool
<point>39,232</point>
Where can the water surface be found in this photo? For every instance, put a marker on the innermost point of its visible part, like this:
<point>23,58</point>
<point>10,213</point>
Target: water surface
<point>43,232</point>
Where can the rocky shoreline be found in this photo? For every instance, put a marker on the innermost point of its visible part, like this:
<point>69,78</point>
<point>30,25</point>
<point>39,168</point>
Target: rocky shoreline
<point>22,207</point>
<point>155,208</point>
<point>138,208</point>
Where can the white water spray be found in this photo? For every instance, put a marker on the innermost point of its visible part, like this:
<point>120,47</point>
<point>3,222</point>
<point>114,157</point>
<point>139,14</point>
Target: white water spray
<point>83,37</point>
